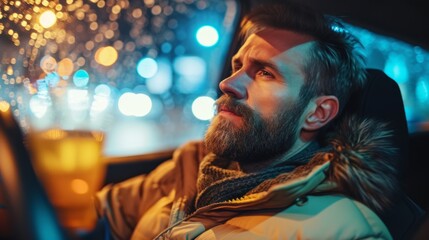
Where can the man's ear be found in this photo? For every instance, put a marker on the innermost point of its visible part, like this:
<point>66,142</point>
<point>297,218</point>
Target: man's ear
<point>326,108</point>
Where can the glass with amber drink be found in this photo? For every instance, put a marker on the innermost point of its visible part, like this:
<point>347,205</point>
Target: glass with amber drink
<point>69,164</point>
<point>64,118</point>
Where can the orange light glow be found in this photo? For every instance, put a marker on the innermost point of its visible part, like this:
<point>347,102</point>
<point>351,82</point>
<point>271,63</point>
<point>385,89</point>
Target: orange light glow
<point>106,56</point>
<point>4,106</point>
<point>47,19</point>
<point>79,186</point>
<point>65,67</point>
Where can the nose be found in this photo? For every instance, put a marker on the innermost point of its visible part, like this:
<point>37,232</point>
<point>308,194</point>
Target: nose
<point>235,85</point>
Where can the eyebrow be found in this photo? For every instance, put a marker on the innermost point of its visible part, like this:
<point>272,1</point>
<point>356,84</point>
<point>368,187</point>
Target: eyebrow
<point>264,63</point>
<point>259,62</point>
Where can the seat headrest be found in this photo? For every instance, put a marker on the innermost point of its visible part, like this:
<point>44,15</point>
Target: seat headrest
<point>381,100</point>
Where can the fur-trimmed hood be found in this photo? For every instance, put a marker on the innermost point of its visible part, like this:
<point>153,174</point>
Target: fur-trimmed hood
<point>363,161</point>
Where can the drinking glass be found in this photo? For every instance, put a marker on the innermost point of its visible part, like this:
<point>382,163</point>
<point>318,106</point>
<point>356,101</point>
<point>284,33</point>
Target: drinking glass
<point>70,166</point>
<point>65,133</point>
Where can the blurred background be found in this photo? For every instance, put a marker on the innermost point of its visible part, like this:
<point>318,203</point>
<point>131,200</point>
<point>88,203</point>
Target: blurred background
<point>146,71</point>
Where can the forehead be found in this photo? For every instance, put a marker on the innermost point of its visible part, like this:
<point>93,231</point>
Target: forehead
<point>274,42</point>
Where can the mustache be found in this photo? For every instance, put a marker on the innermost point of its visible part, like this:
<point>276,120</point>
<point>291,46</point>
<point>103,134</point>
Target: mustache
<point>232,105</point>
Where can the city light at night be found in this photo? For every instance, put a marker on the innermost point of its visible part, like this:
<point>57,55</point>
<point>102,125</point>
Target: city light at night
<point>47,19</point>
<point>56,46</point>
<point>147,67</point>
<point>207,36</point>
<point>203,108</point>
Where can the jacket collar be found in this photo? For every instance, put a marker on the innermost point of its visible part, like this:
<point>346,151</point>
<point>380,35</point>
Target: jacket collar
<point>360,163</point>
<point>363,161</point>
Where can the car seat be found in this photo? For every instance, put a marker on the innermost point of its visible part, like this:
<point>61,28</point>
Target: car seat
<point>381,99</point>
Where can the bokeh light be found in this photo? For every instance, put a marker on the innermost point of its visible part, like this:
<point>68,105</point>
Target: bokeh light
<point>396,68</point>
<point>65,67</point>
<point>203,108</point>
<point>4,106</point>
<point>147,67</point>
<point>77,99</point>
<point>191,71</point>
<point>80,78</point>
<point>207,36</point>
<point>102,98</point>
<point>102,89</point>
<point>99,103</point>
<point>134,104</point>
<point>52,79</point>
<point>48,64</point>
<point>42,87</point>
<point>422,90</point>
<point>106,56</point>
<point>162,81</point>
<point>78,104</point>
<point>38,106</point>
<point>47,19</point>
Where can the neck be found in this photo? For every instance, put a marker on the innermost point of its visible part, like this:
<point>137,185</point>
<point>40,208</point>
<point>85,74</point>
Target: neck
<point>270,162</point>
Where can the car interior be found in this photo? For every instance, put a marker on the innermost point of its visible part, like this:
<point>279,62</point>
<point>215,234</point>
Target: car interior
<point>27,213</point>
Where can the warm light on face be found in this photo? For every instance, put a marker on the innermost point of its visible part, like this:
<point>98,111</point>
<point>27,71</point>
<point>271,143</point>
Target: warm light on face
<point>47,19</point>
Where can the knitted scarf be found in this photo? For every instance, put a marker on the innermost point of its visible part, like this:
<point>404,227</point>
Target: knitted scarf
<point>219,183</point>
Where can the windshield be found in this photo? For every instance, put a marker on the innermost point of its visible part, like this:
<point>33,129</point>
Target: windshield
<point>145,72</point>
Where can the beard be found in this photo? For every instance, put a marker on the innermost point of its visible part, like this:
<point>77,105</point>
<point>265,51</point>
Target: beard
<point>257,139</point>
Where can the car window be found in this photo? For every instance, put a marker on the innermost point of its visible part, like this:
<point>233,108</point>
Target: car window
<point>407,65</point>
<point>145,72</point>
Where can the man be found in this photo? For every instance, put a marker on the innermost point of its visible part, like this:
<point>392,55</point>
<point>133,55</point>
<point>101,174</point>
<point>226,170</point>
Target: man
<point>270,167</point>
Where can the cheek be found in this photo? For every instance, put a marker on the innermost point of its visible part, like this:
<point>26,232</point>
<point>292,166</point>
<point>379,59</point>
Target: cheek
<point>269,101</point>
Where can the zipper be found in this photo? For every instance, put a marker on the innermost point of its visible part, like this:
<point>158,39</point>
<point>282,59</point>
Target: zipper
<point>232,202</point>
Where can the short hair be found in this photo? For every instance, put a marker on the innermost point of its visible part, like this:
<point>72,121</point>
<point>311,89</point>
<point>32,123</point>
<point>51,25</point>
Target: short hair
<point>335,65</point>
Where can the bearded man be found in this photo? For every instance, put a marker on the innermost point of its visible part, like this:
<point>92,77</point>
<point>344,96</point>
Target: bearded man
<point>270,166</point>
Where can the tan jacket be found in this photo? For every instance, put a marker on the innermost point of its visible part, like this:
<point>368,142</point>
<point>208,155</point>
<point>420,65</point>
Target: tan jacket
<point>309,206</point>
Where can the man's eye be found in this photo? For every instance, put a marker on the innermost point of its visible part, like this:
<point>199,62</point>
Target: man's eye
<point>265,73</point>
